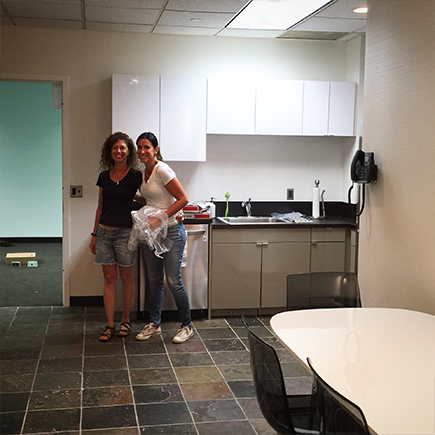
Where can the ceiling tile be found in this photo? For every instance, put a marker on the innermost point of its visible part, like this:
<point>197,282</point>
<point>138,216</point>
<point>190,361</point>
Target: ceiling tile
<point>195,31</point>
<point>120,15</point>
<point>69,9</point>
<point>232,6</point>
<point>330,25</point>
<point>194,19</point>
<point>343,9</point>
<point>115,27</point>
<point>127,4</point>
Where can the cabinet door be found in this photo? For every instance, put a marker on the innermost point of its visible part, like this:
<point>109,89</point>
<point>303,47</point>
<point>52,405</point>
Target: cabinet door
<point>342,109</point>
<point>135,104</point>
<point>278,108</point>
<point>316,107</point>
<point>183,118</point>
<point>235,276</point>
<point>280,260</point>
<point>328,257</point>
<point>230,106</point>
<point>328,249</point>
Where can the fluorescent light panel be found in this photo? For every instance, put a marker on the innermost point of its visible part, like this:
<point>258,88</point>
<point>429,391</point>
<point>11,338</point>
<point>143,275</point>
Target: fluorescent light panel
<point>275,14</point>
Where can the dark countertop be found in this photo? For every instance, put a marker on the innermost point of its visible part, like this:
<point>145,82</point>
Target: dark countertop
<point>332,222</point>
<point>338,215</point>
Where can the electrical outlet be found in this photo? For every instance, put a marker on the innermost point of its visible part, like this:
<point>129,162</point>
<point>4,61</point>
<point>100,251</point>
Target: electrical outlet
<point>76,191</point>
<point>32,264</point>
<point>290,194</point>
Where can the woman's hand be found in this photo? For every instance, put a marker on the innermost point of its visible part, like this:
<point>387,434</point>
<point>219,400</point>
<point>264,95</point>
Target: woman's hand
<point>154,222</point>
<point>92,244</point>
<point>179,216</point>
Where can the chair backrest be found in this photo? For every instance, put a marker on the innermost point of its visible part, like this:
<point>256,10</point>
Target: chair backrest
<point>269,384</point>
<point>338,414</point>
<point>322,290</point>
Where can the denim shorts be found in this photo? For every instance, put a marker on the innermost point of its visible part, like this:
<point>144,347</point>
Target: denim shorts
<point>111,247</point>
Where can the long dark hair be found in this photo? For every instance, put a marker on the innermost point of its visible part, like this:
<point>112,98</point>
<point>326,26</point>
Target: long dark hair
<point>106,161</point>
<point>154,142</point>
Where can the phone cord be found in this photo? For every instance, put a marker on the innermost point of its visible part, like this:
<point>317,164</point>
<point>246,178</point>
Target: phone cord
<point>363,198</point>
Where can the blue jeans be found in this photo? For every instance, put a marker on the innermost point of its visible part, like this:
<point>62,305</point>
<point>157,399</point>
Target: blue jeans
<point>171,264</point>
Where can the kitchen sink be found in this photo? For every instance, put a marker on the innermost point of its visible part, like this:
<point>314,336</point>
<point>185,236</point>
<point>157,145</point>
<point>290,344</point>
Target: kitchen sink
<point>250,220</point>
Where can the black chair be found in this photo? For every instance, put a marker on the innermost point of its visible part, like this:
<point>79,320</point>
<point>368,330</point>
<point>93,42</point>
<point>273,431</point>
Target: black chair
<point>322,290</point>
<point>338,415</point>
<point>287,414</point>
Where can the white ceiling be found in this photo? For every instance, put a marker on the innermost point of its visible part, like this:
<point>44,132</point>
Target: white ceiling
<point>335,21</point>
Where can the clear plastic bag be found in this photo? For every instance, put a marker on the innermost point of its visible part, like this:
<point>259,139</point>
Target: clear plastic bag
<point>142,232</point>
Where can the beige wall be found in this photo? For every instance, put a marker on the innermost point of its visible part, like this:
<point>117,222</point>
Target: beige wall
<point>397,244</point>
<point>85,61</point>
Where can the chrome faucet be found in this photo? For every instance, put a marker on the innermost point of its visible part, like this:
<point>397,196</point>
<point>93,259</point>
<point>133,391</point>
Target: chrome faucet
<point>323,205</point>
<point>247,205</point>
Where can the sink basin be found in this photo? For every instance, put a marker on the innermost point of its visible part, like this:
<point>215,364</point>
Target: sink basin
<point>250,220</point>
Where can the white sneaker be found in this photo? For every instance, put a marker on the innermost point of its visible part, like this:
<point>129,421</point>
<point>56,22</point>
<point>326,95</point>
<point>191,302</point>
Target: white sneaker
<point>148,331</point>
<point>183,334</point>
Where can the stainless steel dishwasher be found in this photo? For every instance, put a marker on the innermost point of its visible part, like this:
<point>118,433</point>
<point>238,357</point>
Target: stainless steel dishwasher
<point>194,270</point>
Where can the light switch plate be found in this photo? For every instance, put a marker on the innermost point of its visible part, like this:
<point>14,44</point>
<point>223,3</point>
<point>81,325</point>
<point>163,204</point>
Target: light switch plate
<point>76,191</point>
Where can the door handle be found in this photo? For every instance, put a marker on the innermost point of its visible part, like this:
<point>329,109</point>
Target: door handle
<point>194,232</point>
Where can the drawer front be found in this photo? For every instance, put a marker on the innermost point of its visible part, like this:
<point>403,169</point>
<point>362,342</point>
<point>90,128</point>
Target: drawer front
<point>328,234</point>
<point>255,235</point>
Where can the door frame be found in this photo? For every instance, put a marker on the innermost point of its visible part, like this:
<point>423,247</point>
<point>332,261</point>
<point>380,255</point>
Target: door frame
<point>64,80</point>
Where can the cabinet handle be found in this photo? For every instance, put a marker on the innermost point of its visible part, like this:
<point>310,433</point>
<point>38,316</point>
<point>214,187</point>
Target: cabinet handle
<point>265,243</point>
<point>259,244</point>
<point>314,242</point>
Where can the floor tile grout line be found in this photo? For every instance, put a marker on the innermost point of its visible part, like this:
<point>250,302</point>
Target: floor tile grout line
<point>178,381</point>
<point>223,377</point>
<point>131,386</point>
<point>34,376</point>
<point>82,386</point>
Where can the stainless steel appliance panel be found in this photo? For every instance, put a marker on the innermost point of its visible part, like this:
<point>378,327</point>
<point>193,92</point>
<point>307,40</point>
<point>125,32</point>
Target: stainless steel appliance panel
<point>194,271</point>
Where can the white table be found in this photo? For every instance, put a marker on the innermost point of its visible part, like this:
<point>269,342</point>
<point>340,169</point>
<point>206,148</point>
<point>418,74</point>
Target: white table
<point>381,359</point>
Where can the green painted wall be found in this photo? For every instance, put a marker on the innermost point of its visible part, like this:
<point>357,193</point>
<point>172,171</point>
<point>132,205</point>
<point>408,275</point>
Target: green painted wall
<point>30,161</point>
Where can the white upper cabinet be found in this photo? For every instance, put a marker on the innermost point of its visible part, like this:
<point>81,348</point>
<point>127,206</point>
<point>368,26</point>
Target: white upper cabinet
<point>316,108</point>
<point>183,118</point>
<point>279,107</point>
<point>342,109</point>
<point>231,106</point>
<point>135,104</point>
<point>329,109</point>
<point>173,108</point>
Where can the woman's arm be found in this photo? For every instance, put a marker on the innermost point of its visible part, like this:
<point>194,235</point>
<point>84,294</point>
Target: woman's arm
<point>97,220</point>
<point>176,190</point>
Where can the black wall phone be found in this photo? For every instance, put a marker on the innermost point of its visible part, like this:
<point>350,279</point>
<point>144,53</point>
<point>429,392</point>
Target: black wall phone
<point>363,168</point>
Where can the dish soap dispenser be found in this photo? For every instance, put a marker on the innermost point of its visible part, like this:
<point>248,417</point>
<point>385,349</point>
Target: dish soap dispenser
<point>211,207</point>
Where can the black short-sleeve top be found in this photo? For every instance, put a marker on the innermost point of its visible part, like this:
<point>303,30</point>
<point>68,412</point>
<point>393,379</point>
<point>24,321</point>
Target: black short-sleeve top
<point>118,198</point>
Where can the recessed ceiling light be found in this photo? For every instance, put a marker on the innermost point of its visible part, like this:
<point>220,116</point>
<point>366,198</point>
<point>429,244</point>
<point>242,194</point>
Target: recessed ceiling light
<point>275,14</point>
<point>362,10</point>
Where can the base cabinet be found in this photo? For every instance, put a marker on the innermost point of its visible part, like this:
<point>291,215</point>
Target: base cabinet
<point>329,248</point>
<point>249,266</point>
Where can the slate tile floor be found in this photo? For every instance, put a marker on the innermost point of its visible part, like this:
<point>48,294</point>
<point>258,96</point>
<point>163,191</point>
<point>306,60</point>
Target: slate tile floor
<point>57,378</point>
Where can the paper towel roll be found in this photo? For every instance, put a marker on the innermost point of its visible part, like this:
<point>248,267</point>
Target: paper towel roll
<point>316,202</point>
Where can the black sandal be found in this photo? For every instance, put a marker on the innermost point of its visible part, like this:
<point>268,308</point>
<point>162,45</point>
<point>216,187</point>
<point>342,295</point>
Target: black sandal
<point>106,336</point>
<point>124,330</point>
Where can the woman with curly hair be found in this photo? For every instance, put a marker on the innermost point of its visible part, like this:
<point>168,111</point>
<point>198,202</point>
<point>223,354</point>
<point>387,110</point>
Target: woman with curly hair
<point>118,181</point>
